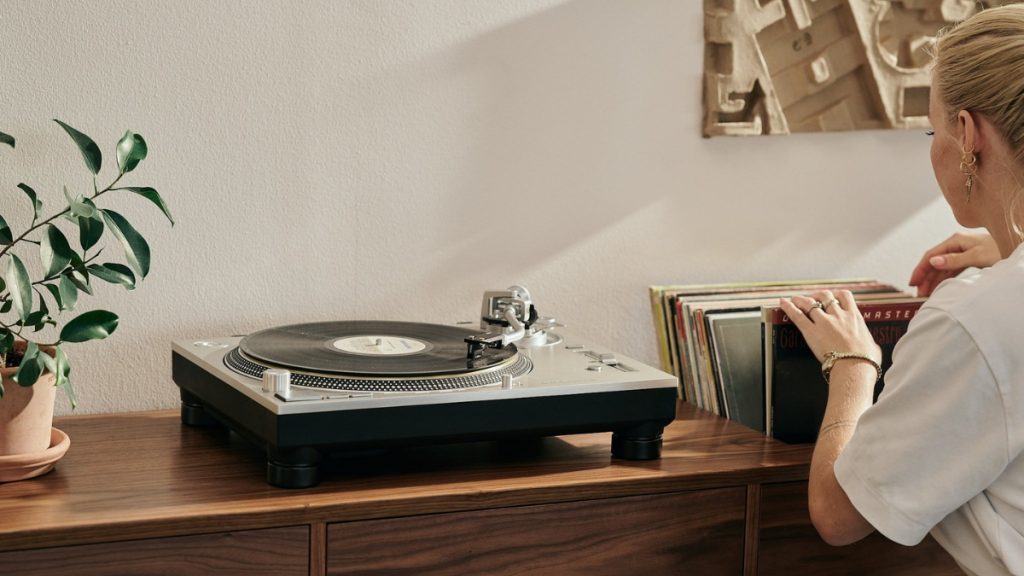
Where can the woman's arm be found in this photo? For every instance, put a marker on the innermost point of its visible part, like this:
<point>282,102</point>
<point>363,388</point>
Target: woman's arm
<point>836,327</point>
<point>833,515</point>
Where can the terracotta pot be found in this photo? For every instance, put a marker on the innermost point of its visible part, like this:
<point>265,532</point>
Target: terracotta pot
<point>26,413</point>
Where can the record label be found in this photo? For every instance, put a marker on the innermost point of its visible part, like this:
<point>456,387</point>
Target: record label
<point>380,345</point>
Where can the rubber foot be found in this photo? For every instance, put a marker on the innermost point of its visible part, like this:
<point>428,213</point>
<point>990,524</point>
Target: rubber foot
<point>288,476</point>
<point>636,448</point>
<point>195,415</point>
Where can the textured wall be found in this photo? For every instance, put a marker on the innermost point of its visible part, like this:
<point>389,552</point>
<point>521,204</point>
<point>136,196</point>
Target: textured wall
<point>378,159</point>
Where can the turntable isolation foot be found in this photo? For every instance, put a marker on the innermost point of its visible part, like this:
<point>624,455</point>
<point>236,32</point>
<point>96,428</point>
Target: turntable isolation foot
<point>639,443</point>
<point>290,476</point>
<point>193,414</point>
<point>297,468</point>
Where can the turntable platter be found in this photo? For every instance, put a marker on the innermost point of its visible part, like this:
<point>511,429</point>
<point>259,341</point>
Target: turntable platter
<point>370,348</point>
<point>369,356</point>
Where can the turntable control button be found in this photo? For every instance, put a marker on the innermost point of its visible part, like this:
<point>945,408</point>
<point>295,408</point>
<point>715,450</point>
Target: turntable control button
<point>277,381</point>
<point>608,358</point>
<point>506,381</point>
<point>574,347</point>
<point>595,367</point>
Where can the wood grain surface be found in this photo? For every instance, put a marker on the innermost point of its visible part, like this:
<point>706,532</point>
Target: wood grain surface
<point>697,532</point>
<point>273,552</point>
<point>142,475</point>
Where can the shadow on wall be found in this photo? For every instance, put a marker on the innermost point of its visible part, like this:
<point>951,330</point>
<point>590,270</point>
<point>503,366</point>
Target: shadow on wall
<point>589,113</point>
<point>575,123</point>
<point>810,195</point>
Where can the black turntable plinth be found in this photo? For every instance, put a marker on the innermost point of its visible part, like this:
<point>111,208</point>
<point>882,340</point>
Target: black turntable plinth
<point>304,391</point>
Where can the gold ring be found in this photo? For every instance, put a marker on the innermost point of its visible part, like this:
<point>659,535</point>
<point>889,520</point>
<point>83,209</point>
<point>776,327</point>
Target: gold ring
<point>829,303</point>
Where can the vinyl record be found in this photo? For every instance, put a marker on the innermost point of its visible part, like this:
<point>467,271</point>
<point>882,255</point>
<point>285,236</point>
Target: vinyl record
<point>370,348</point>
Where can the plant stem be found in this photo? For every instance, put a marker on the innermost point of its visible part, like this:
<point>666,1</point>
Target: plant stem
<point>57,215</point>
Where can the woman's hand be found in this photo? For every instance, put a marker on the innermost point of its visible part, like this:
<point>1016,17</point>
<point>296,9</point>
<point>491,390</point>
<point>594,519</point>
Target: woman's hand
<point>957,253</point>
<point>831,323</point>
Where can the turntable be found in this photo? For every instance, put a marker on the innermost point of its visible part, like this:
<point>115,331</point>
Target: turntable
<point>305,391</point>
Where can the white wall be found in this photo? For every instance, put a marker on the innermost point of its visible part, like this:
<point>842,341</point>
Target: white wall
<point>375,159</point>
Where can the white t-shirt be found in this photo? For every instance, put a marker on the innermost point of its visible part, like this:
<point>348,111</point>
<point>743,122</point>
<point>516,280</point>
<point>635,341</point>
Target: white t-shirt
<point>941,450</point>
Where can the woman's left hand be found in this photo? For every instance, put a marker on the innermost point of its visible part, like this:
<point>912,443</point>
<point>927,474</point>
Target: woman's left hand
<point>831,323</point>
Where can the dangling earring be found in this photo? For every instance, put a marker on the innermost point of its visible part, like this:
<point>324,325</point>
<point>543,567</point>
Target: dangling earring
<point>969,168</point>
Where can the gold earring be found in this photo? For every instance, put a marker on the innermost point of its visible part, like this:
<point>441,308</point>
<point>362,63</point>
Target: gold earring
<point>969,168</point>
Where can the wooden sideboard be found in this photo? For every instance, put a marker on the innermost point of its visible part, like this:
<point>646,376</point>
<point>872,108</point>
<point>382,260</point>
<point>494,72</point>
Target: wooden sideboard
<point>139,493</point>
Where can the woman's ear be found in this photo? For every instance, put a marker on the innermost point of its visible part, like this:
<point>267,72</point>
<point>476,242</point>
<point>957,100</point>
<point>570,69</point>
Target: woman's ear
<point>970,132</point>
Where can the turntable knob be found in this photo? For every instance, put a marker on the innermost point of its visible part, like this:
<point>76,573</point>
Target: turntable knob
<point>277,381</point>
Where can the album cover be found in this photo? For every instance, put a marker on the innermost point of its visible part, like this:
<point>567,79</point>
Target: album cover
<point>736,361</point>
<point>793,384</point>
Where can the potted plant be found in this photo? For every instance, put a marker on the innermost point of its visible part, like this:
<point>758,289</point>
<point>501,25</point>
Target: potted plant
<point>44,273</point>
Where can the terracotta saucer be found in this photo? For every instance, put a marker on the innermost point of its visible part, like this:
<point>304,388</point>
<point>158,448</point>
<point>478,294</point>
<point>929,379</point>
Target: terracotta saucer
<point>22,466</point>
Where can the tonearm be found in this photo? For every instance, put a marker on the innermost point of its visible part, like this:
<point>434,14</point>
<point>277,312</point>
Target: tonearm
<point>507,316</point>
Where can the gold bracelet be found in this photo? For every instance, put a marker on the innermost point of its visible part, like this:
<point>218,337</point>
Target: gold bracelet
<point>831,357</point>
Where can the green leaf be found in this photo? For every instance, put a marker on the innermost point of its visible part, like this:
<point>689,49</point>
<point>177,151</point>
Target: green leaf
<point>90,230</point>
<point>153,196</point>
<point>36,319</point>
<point>5,232</point>
<point>90,151</point>
<point>6,341</point>
<point>131,150</point>
<point>21,287</point>
<point>80,281</point>
<point>68,293</point>
<point>48,362</point>
<point>42,304</point>
<point>30,368</point>
<point>79,265</point>
<point>5,307</point>
<point>136,250</point>
<point>79,205</point>
<point>37,205</point>
<point>114,273</point>
<point>55,252</point>
<point>92,325</point>
<point>55,292</point>
<point>63,371</point>
<point>6,139</point>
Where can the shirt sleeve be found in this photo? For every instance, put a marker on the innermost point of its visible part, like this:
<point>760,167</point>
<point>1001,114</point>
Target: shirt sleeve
<point>936,437</point>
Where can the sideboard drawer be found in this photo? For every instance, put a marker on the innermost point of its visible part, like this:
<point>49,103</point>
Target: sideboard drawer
<point>698,532</point>
<point>277,551</point>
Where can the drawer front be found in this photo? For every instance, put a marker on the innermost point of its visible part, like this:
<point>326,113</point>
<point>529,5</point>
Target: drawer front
<point>276,551</point>
<point>697,532</point>
<point>789,544</point>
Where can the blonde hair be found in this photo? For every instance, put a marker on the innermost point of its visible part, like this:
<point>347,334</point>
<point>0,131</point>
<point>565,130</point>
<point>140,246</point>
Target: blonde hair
<point>979,67</point>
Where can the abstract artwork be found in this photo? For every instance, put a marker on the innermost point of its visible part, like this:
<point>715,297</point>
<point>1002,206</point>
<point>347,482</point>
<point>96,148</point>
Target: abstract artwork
<point>784,66</point>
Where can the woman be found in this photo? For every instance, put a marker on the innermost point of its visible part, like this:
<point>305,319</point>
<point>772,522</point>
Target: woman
<point>941,450</point>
